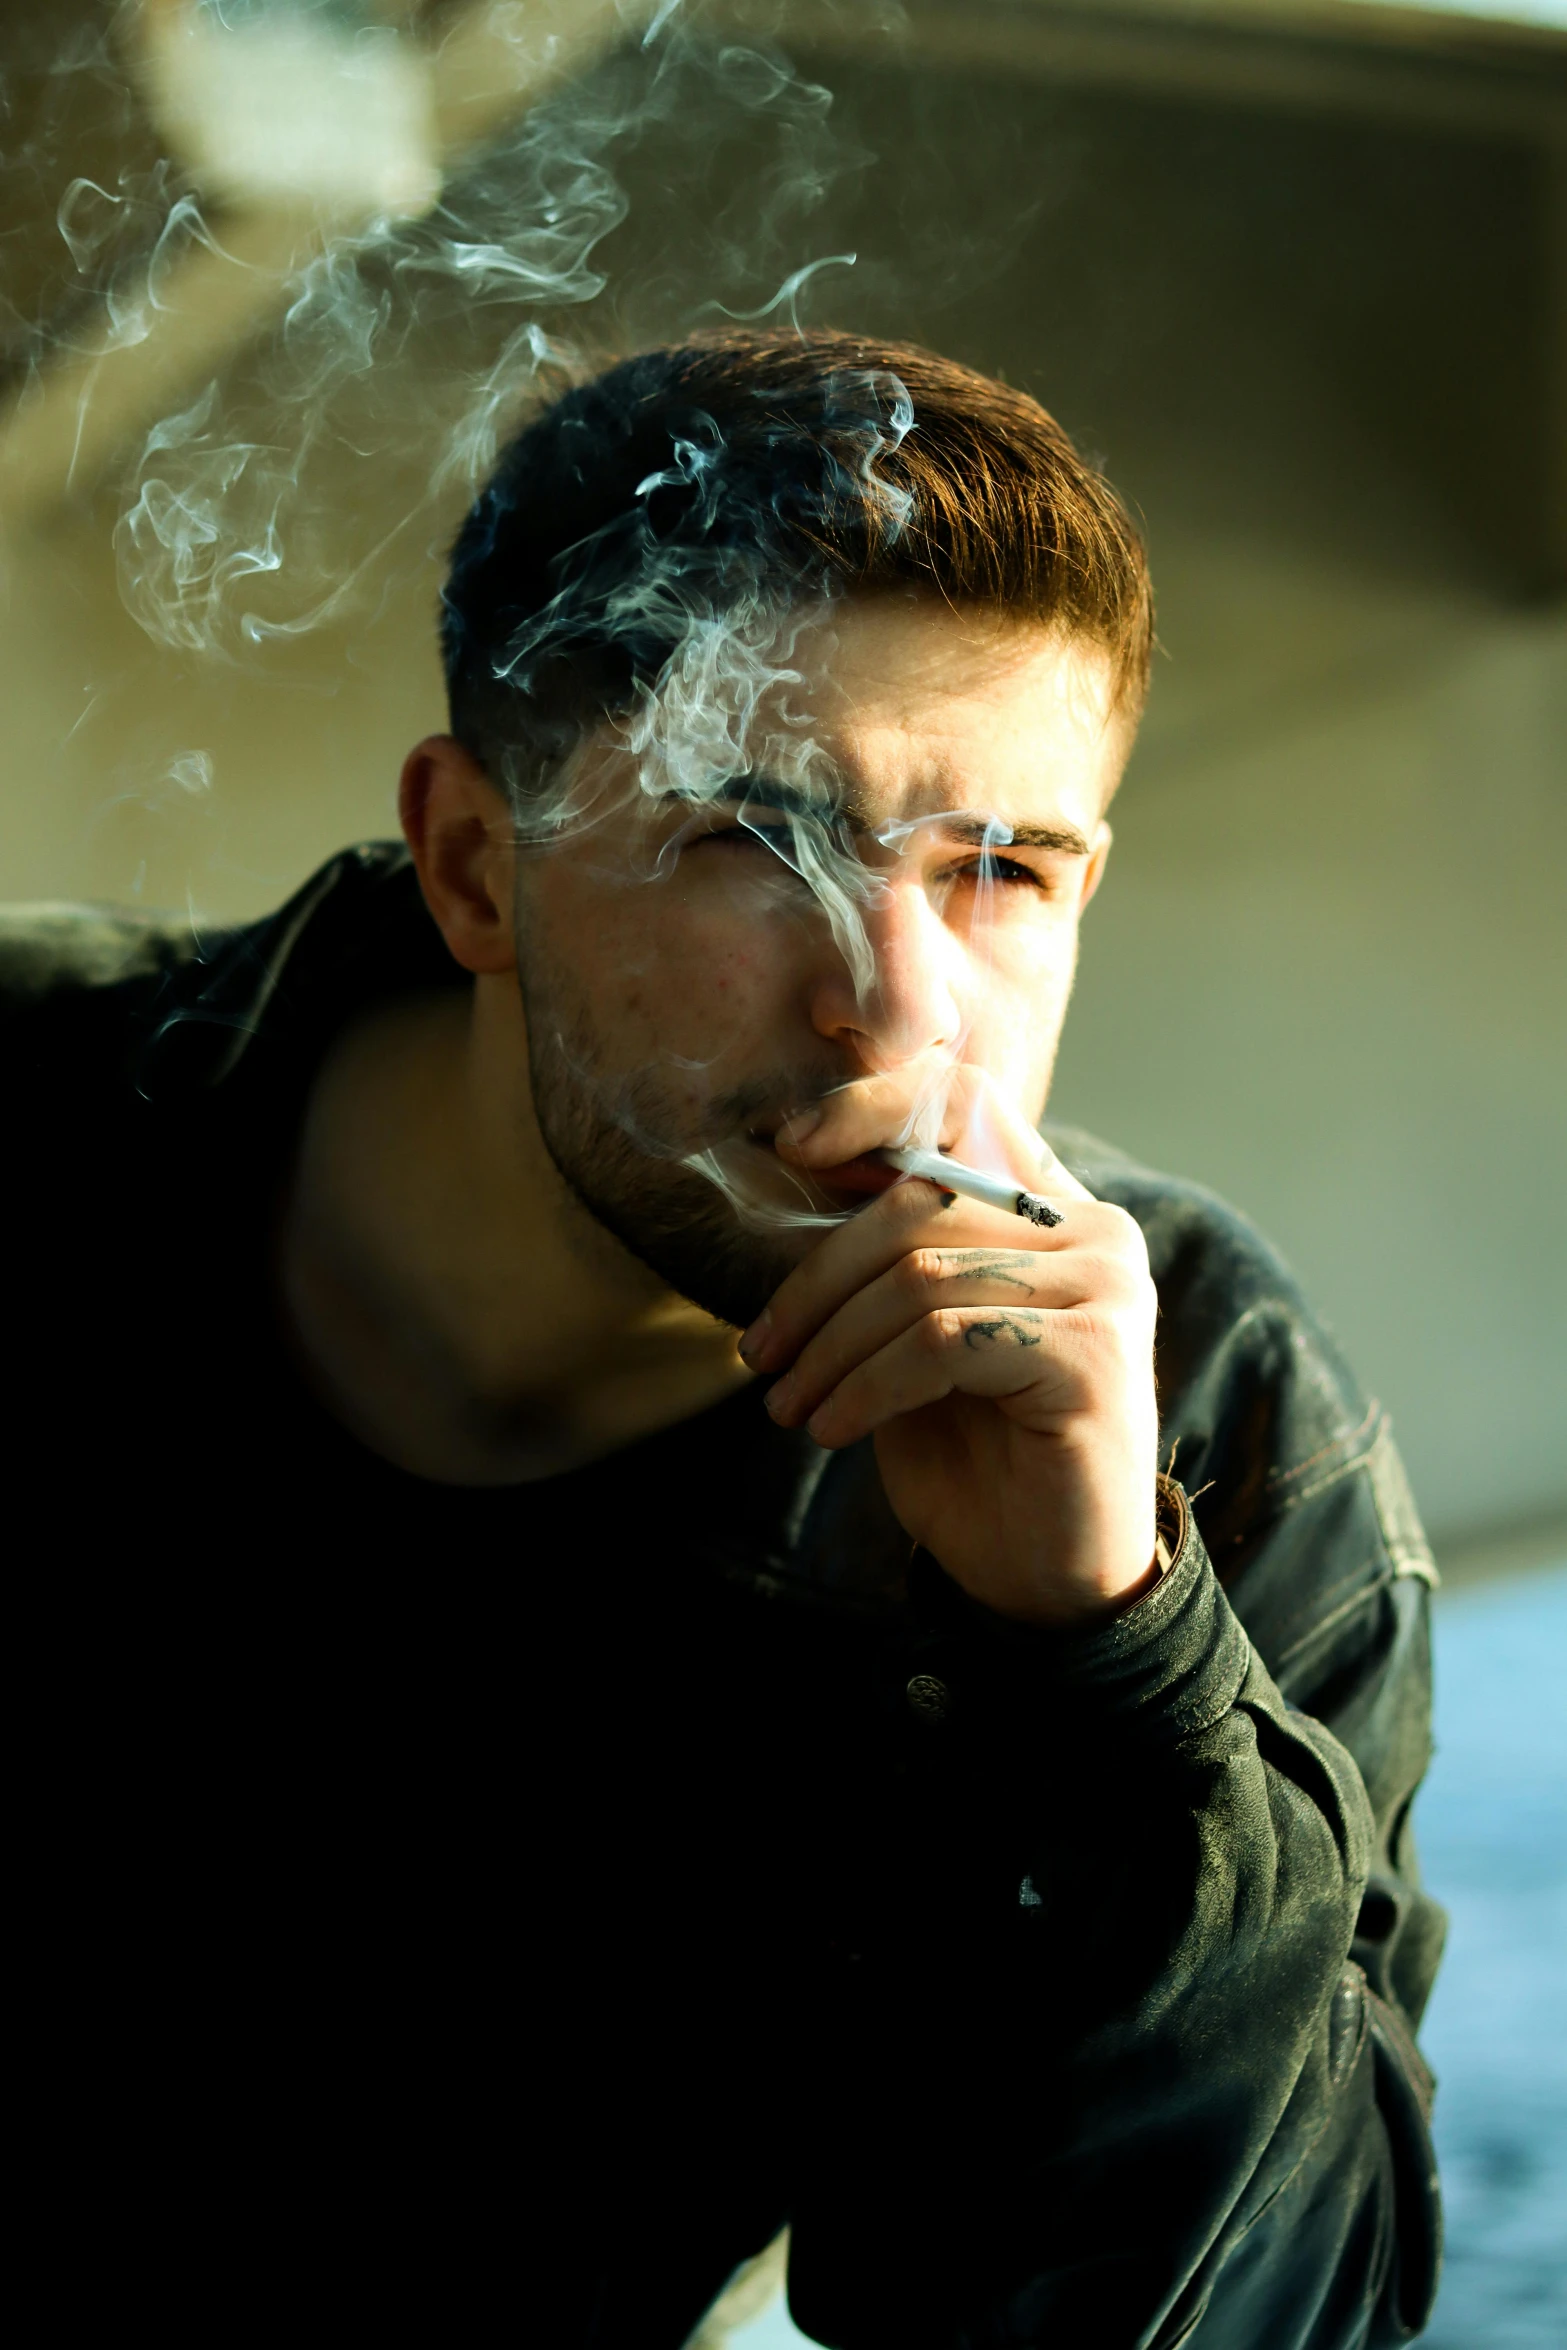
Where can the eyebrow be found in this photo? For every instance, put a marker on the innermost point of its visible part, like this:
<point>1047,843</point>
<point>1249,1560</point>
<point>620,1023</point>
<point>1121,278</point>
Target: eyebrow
<point>1020,836</point>
<point>769,791</point>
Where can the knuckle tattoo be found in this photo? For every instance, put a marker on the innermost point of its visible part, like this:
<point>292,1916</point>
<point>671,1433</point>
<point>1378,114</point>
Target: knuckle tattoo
<point>1011,1268</point>
<point>1010,1329</point>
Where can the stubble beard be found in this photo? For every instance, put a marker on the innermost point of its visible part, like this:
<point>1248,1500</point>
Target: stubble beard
<point>617,1144</point>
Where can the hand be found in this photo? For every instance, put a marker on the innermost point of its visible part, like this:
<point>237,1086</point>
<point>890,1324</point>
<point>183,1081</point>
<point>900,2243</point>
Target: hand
<point>1005,1371</point>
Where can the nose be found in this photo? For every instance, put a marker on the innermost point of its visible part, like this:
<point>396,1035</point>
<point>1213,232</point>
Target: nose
<point>909,1006</point>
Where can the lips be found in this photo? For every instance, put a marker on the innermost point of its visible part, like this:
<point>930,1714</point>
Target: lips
<point>867,1173</point>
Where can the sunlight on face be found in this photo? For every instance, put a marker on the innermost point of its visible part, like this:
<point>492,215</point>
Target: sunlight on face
<point>890,889</point>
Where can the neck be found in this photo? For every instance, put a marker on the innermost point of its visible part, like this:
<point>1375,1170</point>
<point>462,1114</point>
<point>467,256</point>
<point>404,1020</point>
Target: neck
<point>450,1300</point>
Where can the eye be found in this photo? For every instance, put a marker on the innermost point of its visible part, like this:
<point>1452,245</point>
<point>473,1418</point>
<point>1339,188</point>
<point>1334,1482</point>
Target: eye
<point>989,867</point>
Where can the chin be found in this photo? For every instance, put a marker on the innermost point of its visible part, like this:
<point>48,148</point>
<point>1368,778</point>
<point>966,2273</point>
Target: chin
<point>727,1259</point>
<point>725,1240</point>
<point>720,1265</point>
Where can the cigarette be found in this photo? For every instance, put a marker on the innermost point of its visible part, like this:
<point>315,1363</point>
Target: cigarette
<point>994,1191</point>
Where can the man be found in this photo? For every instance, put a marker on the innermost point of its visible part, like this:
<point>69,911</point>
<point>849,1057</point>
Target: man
<point>615,1676</point>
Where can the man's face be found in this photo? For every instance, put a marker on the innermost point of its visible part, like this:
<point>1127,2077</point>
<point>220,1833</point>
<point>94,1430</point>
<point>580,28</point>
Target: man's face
<point>688,988</point>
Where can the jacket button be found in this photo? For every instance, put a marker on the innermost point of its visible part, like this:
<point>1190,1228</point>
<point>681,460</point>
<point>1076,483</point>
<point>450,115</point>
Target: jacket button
<point>929,1698</point>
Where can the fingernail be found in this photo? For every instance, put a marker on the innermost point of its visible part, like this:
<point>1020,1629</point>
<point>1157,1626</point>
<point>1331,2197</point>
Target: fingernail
<point>753,1344</point>
<point>781,1395</point>
<point>795,1129</point>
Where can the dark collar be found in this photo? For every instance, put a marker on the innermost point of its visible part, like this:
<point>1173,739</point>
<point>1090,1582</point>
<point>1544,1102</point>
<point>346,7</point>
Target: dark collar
<point>249,1005</point>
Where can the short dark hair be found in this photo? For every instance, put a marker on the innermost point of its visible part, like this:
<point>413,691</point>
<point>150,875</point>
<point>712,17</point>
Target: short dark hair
<point>686,478</point>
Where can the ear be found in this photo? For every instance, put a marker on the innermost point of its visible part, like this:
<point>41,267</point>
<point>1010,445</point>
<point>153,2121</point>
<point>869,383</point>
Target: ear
<point>459,831</point>
<point>1098,858</point>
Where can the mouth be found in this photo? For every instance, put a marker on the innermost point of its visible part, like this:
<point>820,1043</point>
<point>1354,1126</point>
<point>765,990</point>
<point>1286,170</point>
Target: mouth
<point>867,1174</point>
<point>861,1177</point>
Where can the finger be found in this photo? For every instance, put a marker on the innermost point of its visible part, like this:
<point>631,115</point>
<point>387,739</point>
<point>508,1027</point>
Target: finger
<point>988,1351</point>
<point>993,1133</point>
<point>882,1107</point>
<point>924,1281</point>
<point>959,1109</point>
<point>1055,1179</point>
<point>910,1216</point>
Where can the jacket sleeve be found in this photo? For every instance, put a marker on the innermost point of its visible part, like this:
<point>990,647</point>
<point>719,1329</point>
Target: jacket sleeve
<point>1352,1649</point>
<point>1164,2105</point>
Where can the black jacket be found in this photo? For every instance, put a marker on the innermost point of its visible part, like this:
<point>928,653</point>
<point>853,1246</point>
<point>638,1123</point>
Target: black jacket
<point>490,1911</point>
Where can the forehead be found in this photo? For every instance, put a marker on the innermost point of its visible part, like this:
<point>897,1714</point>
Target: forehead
<point>924,707</point>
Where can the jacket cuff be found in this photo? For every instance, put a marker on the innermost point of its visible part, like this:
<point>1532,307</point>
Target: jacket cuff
<point>1166,1668</point>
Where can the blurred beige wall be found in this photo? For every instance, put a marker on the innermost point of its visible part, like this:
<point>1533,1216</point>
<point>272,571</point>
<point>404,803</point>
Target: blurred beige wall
<point>109,738</point>
<point>1326,974</point>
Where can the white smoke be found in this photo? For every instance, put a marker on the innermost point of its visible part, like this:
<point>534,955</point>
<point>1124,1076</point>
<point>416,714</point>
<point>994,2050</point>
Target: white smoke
<point>412,331</point>
<point>429,308</point>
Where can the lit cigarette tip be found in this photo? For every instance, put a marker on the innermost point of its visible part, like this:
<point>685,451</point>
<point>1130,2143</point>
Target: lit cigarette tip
<point>993,1191</point>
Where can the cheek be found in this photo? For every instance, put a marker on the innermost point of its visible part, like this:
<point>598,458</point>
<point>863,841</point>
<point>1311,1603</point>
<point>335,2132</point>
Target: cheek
<point>1027,963</point>
<point>1019,999</point>
<point>667,976</point>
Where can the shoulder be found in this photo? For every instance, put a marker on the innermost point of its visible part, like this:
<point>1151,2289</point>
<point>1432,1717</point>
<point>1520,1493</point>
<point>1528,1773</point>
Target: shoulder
<point>52,950</point>
<point>1297,1484</point>
<point>1221,1283</point>
<point>94,997</point>
<point>78,984</point>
